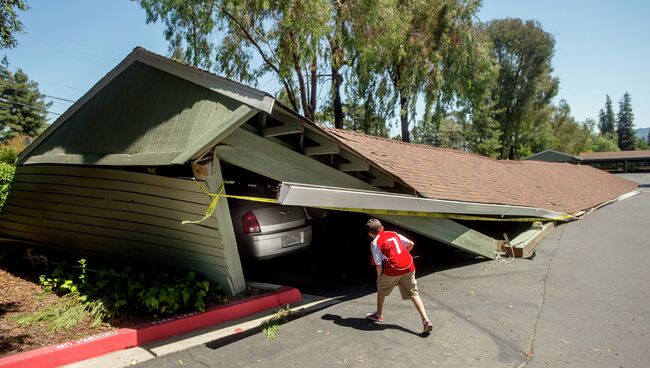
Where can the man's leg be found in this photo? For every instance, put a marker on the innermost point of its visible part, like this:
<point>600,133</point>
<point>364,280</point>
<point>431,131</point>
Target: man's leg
<point>420,307</point>
<point>380,303</point>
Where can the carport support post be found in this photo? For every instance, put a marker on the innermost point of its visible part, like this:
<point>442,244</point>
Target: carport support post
<point>222,215</point>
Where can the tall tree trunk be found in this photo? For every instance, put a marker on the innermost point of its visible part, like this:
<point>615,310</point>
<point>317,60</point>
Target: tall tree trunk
<point>314,81</point>
<point>404,117</point>
<point>337,79</point>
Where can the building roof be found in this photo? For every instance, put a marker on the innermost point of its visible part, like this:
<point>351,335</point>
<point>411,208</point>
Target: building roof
<point>615,155</point>
<point>553,156</point>
<point>440,173</point>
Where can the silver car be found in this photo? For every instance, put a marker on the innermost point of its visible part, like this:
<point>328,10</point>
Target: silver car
<point>266,230</point>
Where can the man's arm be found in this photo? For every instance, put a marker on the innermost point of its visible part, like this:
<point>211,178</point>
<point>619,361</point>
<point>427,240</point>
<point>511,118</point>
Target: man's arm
<point>379,269</point>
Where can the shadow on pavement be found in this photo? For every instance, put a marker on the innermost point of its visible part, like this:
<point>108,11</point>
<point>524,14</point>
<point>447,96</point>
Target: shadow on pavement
<point>363,324</point>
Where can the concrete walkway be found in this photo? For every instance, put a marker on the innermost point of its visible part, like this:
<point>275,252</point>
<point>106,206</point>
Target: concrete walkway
<point>583,301</point>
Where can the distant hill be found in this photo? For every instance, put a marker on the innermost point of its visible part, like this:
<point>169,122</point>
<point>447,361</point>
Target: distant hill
<point>642,133</point>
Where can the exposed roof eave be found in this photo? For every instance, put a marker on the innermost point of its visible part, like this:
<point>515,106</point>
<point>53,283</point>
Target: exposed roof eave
<point>280,107</point>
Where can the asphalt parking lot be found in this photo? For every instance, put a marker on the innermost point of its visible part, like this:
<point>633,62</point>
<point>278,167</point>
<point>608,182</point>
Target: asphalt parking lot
<point>583,301</point>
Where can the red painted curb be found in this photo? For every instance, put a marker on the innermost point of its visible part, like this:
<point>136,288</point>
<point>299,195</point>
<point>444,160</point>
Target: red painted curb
<point>106,342</point>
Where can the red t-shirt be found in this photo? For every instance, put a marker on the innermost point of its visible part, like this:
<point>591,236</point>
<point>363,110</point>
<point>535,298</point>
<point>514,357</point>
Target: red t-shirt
<point>389,249</point>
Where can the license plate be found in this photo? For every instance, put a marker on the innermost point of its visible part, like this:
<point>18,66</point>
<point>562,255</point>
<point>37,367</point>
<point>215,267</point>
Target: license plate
<point>291,239</point>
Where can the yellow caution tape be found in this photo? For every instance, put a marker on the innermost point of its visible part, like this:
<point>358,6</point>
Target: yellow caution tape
<point>373,211</point>
<point>220,194</point>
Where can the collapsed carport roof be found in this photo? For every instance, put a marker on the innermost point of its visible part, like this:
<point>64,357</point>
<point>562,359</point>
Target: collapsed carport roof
<point>447,174</point>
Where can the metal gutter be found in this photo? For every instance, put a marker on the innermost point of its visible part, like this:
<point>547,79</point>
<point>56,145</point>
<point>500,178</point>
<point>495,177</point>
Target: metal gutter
<point>342,198</point>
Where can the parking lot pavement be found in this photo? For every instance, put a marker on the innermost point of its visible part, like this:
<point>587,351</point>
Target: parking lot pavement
<point>582,301</point>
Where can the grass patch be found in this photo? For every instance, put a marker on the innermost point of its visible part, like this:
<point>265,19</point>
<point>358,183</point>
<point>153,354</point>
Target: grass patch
<point>66,313</point>
<point>271,326</point>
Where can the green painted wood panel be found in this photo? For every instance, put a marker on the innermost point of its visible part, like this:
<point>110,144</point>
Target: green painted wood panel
<point>143,111</point>
<point>116,213</point>
<point>115,209</point>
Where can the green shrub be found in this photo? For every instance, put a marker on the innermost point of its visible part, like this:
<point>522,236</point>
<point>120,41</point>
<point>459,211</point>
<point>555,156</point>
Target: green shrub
<point>144,290</point>
<point>6,178</point>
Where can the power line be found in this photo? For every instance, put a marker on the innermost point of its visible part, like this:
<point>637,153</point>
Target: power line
<point>28,106</point>
<point>8,86</point>
<point>60,98</point>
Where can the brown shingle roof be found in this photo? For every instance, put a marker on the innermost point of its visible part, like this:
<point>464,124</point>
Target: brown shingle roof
<point>442,173</point>
<point>615,155</point>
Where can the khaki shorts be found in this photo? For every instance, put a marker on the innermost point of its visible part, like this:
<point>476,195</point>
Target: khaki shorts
<point>408,287</point>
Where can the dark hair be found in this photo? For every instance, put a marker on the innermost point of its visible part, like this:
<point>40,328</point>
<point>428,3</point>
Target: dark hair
<point>373,226</point>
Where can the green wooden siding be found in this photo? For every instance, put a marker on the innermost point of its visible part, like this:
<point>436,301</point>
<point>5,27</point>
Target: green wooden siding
<point>143,117</point>
<point>117,213</point>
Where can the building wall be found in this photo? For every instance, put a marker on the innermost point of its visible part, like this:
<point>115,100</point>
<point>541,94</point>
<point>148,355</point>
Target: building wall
<point>118,213</point>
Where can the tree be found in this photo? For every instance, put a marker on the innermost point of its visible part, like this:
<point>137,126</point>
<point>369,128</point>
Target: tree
<point>603,143</point>
<point>568,135</point>
<point>23,109</point>
<point>10,25</point>
<point>606,119</point>
<point>287,36</point>
<point>525,86</point>
<point>409,51</point>
<point>625,124</point>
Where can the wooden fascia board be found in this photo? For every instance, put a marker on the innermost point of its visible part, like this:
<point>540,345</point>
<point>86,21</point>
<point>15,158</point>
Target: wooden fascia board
<point>149,159</point>
<point>282,130</point>
<point>326,146</point>
<point>238,117</point>
<point>322,150</point>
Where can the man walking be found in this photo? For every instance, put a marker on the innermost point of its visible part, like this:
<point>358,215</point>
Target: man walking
<point>392,258</point>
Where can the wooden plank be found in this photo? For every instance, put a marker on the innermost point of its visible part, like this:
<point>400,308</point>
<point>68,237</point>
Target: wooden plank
<point>116,185</point>
<point>235,276</point>
<point>112,195</point>
<point>91,172</point>
<point>222,126</point>
<point>127,209</point>
<point>257,154</point>
<point>282,130</point>
<point>88,218</point>
<point>137,159</point>
<point>322,150</point>
<point>524,244</point>
<point>356,163</point>
<point>103,245</point>
<point>135,218</point>
<point>156,241</point>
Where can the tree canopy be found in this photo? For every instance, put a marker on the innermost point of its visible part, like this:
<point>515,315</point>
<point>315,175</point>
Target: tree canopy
<point>607,119</point>
<point>23,109</point>
<point>625,124</point>
<point>10,25</point>
<point>525,85</point>
<point>425,68</point>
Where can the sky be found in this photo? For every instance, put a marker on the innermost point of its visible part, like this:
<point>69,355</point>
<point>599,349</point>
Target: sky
<point>601,47</point>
